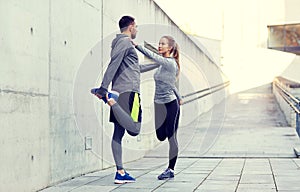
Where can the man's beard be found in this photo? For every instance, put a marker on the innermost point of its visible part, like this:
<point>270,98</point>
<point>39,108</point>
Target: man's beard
<point>133,36</point>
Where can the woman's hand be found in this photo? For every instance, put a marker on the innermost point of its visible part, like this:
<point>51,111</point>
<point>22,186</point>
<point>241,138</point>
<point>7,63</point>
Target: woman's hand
<point>133,43</point>
<point>110,101</point>
<point>180,102</point>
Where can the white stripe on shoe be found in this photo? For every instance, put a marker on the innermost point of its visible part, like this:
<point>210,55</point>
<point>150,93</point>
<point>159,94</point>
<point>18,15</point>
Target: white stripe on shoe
<point>123,181</point>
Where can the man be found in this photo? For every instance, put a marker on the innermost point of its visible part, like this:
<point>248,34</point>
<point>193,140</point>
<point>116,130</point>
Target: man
<point>124,73</point>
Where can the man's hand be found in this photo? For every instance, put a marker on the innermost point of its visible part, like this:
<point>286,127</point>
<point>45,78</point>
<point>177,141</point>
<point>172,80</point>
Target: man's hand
<point>99,96</point>
<point>99,92</point>
<point>110,101</point>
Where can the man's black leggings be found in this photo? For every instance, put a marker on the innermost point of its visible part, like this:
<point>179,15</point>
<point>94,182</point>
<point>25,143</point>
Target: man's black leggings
<point>166,125</point>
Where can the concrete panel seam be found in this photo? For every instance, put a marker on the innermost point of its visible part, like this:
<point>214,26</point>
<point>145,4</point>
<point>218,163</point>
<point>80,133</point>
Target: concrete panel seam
<point>91,5</point>
<point>31,94</point>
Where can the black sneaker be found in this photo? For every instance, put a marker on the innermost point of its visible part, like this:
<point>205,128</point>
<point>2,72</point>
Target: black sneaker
<point>167,174</point>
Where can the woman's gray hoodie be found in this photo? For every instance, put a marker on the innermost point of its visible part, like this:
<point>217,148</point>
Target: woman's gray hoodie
<point>165,76</point>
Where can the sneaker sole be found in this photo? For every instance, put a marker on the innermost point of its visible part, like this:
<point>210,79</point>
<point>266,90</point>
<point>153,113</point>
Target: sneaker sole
<point>123,181</point>
<point>166,178</point>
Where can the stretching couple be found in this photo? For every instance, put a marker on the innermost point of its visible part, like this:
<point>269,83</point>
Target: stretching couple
<point>123,72</point>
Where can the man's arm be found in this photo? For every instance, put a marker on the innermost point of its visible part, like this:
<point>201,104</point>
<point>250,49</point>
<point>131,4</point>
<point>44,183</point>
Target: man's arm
<point>117,55</point>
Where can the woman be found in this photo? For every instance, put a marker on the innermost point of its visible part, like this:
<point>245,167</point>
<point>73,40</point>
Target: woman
<point>167,98</point>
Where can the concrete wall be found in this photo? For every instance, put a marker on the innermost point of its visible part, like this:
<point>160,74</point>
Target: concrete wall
<point>291,73</point>
<point>52,52</point>
<point>24,95</point>
<point>292,70</point>
<point>291,11</point>
<point>291,87</point>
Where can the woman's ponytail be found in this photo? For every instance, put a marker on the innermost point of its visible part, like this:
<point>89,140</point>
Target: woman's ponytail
<point>174,51</point>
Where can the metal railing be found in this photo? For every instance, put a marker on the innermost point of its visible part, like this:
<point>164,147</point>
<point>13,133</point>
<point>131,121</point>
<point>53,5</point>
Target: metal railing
<point>293,102</point>
<point>204,92</point>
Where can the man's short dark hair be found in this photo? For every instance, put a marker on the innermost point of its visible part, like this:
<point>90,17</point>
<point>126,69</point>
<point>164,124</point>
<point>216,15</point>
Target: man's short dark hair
<point>125,21</point>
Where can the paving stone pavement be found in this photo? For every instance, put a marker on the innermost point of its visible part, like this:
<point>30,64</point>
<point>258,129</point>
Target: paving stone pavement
<point>242,145</point>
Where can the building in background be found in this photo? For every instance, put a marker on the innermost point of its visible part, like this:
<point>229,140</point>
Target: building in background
<point>284,38</point>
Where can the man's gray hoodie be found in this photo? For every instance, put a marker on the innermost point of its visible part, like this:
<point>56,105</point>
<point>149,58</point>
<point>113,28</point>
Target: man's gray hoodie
<point>124,69</point>
<point>124,73</point>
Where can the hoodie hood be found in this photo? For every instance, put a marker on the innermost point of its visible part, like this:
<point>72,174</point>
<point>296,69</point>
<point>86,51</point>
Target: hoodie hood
<point>118,37</point>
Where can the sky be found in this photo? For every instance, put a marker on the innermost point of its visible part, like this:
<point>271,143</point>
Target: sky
<point>245,20</point>
<point>241,27</point>
<point>194,18</point>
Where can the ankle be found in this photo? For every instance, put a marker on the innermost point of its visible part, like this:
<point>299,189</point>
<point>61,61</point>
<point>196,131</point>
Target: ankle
<point>121,171</point>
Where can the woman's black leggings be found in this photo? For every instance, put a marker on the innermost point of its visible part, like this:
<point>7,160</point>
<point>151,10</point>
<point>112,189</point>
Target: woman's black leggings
<point>166,124</point>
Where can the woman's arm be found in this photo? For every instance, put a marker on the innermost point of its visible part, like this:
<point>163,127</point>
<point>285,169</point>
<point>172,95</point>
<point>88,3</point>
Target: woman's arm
<point>148,67</point>
<point>178,96</point>
<point>175,90</point>
<point>157,58</point>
